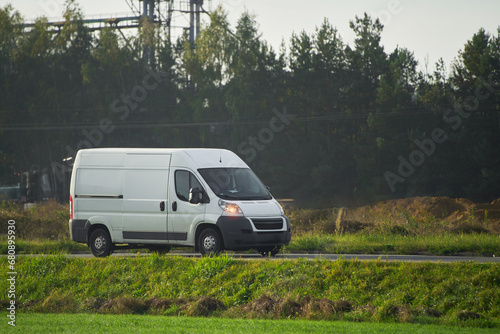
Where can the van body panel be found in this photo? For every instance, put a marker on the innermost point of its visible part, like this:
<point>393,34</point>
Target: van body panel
<point>145,188</point>
<point>102,158</point>
<point>143,196</point>
<point>259,208</point>
<point>184,216</point>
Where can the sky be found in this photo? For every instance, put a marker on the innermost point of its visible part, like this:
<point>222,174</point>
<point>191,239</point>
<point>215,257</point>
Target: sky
<point>432,29</point>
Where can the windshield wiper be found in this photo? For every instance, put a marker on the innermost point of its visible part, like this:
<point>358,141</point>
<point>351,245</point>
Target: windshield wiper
<point>242,198</point>
<point>228,196</point>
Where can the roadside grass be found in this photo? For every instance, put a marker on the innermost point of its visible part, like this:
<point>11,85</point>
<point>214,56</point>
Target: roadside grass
<point>42,222</point>
<point>443,244</point>
<point>97,323</point>
<point>458,294</point>
<point>61,246</point>
<point>446,244</point>
<point>381,229</point>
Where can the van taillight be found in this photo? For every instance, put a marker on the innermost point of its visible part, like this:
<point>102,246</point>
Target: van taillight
<point>70,207</point>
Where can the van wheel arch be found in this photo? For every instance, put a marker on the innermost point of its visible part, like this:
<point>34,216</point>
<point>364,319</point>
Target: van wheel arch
<point>94,227</point>
<point>106,235</point>
<point>200,229</point>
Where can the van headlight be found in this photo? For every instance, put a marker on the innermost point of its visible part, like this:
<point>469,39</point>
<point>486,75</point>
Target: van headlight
<point>230,208</point>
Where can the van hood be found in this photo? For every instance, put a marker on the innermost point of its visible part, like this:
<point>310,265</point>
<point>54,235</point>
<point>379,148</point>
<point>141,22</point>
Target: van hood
<point>260,208</point>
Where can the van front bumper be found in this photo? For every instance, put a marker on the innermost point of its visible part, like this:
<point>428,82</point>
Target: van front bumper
<point>239,233</point>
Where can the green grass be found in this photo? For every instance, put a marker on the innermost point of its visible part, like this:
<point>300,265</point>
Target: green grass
<point>442,244</point>
<point>463,293</point>
<point>445,244</point>
<point>94,323</point>
<point>62,246</point>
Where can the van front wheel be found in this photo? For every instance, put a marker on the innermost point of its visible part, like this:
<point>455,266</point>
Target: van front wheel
<point>209,242</point>
<point>100,243</point>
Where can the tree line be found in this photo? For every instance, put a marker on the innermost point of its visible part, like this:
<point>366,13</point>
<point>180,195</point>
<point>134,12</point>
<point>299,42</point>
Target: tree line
<point>319,119</point>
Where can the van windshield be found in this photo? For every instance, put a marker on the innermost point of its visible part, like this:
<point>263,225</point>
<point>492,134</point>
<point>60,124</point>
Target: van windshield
<point>235,183</point>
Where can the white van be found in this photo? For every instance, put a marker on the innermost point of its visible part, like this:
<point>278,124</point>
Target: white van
<point>208,199</point>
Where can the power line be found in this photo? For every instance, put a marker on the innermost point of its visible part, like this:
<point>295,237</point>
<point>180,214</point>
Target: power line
<point>148,125</point>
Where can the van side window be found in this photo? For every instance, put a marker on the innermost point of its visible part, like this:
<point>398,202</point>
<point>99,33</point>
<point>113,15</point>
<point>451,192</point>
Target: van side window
<point>184,181</point>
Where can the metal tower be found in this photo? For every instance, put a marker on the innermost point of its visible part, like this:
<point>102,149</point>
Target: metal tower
<point>171,15</point>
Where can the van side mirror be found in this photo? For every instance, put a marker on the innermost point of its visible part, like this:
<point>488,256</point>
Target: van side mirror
<point>195,195</point>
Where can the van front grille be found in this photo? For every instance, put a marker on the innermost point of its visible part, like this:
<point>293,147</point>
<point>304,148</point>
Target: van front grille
<point>268,224</point>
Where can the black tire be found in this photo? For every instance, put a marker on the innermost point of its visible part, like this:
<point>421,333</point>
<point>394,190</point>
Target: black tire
<point>269,251</point>
<point>210,242</point>
<point>100,243</point>
<point>160,249</point>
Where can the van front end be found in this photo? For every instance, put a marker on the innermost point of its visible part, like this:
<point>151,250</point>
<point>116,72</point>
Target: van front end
<point>250,218</point>
<point>263,234</point>
<point>254,224</point>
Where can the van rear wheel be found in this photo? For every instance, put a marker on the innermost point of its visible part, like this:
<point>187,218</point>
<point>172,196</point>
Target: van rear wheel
<point>100,243</point>
<point>209,242</point>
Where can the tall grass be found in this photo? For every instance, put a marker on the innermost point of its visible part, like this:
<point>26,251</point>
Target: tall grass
<point>47,221</point>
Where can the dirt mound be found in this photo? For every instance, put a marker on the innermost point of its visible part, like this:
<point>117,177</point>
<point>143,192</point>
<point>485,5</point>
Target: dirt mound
<point>123,305</point>
<point>308,307</point>
<point>205,307</point>
<point>262,305</point>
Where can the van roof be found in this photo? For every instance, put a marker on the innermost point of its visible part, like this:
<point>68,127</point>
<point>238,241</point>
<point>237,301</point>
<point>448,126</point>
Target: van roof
<point>188,157</point>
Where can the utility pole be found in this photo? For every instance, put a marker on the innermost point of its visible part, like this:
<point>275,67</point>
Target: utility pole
<point>147,17</point>
<point>195,9</point>
<point>148,9</point>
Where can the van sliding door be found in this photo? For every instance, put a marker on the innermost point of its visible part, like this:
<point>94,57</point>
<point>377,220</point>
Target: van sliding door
<point>145,198</point>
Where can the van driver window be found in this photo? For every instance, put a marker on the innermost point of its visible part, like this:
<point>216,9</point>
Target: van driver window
<point>184,181</point>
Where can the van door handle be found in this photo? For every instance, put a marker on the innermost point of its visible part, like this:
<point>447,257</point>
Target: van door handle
<point>174,206</point>
<point>162,206</point>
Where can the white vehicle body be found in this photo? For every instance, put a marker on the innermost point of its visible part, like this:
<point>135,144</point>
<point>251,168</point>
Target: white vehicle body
<point>205,198</point>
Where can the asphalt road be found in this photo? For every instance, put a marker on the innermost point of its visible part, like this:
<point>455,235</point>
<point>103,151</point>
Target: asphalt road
<point>361,257</point>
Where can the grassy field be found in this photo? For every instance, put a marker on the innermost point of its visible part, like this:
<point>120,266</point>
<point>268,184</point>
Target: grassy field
<point>426,293</point>
<point>96,323</point>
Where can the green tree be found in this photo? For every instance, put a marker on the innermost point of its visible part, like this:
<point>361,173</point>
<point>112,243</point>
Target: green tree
<point>368,62</point>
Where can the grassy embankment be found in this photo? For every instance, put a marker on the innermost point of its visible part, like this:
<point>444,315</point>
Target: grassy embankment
<point>422,225</point>
<point>460,294</point>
